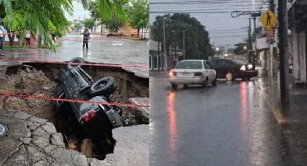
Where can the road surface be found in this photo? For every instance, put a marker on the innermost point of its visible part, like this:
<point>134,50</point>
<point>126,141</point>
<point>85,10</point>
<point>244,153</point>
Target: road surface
<point>229,124</point>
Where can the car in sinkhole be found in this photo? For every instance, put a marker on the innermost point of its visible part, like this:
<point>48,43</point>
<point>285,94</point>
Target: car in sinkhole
<point>85,103</point>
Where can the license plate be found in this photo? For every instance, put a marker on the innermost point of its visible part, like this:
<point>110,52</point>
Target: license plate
<point>185,73</point>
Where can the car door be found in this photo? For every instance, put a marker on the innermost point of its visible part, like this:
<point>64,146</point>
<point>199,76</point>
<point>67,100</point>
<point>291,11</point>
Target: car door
<point>230,66</point>
<point>220,68</point>
<point>210,71</point>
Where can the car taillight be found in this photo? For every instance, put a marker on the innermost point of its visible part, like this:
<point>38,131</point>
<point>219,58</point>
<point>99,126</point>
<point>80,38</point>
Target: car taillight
<point>172,74</point>
<point>198,74</point>
<point>89,115</point>
<point>92,114</point>
<point>243,68</point>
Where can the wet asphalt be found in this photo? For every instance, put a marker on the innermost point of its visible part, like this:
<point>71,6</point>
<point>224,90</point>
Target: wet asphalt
<point>112,50</point>
<point>226,125</point>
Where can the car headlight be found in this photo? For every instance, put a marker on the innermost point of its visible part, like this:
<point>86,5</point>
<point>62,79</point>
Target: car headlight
<point>243,68</point>
<point>249,66</point>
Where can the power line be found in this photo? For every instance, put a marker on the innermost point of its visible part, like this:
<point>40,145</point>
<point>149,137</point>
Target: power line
<point>199,2</point>
<point>180,11</point>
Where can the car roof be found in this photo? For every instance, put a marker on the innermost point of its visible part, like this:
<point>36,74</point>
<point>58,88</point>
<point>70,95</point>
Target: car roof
<point>192,60</point>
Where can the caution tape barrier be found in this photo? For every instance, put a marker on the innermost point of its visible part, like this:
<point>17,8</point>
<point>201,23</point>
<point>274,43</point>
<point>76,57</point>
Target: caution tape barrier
<point>46,98</point>
<point>28,60</point>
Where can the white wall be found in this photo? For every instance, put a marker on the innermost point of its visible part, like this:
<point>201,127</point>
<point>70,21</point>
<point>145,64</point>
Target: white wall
<point>299,56</point>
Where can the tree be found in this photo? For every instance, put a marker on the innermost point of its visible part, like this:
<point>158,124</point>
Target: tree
<point>138,15</point>
<point>37,17</point>
<point>114,24</point>
<point>239,48</point>
<point>89,23</point>
<point>77,26</point>
<point>197,42</point>
<point>115,19</point>
<point>107,8</point>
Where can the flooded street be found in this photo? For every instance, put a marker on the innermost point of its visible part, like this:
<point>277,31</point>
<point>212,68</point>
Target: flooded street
<point>225,125</point>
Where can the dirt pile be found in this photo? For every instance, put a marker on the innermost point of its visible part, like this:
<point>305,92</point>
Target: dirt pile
<point>28,81</point>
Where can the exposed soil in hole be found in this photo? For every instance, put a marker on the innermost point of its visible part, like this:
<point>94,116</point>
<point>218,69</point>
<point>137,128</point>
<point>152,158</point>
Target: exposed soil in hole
<point>38,80</point>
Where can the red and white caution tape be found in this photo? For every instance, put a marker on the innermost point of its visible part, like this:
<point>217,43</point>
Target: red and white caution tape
<point>46,98</point>
<point>28,60</point>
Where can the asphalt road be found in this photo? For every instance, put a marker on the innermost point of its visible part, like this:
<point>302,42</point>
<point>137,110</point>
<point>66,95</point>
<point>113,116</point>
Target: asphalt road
<point>226,125</point>
<point>112,50</point>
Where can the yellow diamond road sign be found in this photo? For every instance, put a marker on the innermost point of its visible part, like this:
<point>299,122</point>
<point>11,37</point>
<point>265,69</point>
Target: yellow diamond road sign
<point>268,20</point>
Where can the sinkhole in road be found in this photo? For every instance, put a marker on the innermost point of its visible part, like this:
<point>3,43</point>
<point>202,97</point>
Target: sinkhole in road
<point>38,79</point>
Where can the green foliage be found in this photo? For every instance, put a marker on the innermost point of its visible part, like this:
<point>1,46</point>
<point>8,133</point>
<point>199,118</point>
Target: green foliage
<point>94,10</point>
<point>108,8</point>
<point>116,16</point>
<point>138,14</point>
<point>114,24</point>
<point>197,42</point>
<point>77,26</point>
<point>239,49</point>
<point>89,23</point>
<point>39,16</point>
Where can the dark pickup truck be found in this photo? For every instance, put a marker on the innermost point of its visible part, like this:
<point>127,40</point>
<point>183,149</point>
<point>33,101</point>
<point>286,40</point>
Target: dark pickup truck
<point>96,120</point>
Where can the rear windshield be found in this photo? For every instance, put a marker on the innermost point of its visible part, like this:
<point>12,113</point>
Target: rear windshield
<point>189,65</point>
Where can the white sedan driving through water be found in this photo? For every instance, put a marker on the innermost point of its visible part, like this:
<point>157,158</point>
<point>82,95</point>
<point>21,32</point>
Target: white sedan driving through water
<point>192,72</point>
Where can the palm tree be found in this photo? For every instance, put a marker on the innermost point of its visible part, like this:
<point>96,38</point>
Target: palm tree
<point>107,8</point>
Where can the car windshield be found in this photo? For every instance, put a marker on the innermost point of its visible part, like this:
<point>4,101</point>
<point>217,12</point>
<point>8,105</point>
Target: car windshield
<point>189,65</point>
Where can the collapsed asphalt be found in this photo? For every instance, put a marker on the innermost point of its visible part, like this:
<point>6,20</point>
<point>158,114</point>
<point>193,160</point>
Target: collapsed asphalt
<point>27,79</point>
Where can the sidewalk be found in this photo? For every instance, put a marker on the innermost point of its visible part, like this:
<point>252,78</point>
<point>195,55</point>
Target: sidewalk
<point>295,112</point>
<point>292,119</point>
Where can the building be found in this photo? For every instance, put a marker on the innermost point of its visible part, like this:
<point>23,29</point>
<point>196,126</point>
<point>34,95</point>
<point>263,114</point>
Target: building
<point>297,22</point>
<point>155,56</point>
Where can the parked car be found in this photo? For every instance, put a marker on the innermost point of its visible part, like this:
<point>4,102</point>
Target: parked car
<point>230,70</point>
<point>95,120</point>
<point>192,72</point>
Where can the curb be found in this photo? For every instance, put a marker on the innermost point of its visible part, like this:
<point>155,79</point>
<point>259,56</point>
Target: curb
<point>276,110</point>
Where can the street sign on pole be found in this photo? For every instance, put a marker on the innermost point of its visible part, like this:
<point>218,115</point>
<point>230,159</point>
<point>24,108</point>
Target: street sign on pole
<point>268,20</point>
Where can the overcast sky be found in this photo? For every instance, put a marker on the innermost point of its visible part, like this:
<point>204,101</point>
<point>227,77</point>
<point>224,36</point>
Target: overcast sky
<point>214,15</point>
<point>79,12</point>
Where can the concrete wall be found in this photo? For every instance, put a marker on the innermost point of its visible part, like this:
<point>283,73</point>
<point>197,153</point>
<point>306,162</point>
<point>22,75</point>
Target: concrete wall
<point>299,56</point>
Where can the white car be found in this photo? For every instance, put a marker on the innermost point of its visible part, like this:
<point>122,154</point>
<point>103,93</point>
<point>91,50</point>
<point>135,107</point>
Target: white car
<point>192,72</point>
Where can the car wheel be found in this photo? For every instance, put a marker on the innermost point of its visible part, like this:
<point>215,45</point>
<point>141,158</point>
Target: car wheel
<point>105,86</point>
<point>205,84</point>
<point>75,62</point>
<point>229,76</point>
<point>174,86</point>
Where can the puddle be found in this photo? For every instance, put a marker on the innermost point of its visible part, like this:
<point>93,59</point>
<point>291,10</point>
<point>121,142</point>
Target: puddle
<point>39,80</point>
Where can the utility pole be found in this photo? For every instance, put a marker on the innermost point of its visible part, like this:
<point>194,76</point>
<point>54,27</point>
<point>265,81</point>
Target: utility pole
<point>283,51</point>
<point>271,49</point>
<point>255,52</point>
<point>250,44</point>
<point>183,43</point>
<point>164,47</point>
<point>254,15</point>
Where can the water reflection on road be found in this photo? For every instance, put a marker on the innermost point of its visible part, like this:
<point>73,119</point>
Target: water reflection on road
<point>225,125</point>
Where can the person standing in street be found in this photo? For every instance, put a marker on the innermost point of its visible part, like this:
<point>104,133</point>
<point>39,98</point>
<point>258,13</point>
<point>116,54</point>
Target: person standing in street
<point>2,36</point>
<point>28,36</point>
<point>86,37</point>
